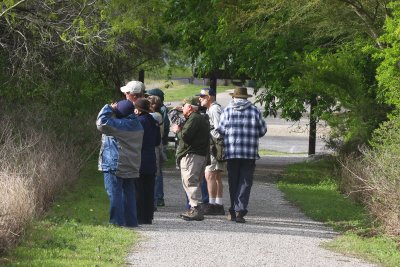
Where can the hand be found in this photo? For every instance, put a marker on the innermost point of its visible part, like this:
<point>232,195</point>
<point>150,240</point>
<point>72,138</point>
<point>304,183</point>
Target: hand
<point>175,128</point>
<point>114,105</point>
<point>179,108</point>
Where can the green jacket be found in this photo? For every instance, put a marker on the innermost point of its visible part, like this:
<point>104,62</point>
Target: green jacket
<point>194,138</point>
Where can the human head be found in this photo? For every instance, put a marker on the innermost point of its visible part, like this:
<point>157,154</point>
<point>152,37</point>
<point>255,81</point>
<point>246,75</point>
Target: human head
<point>190,105</point>
<point>142,105</point>
<point>240,92</point>
<point>155,103</point>
<point>133,90</point>
<point>206,97</point>
<point>156,91</point>
<point>124,108</point>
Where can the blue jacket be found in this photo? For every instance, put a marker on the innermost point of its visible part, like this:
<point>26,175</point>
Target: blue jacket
<point>121,144</point>
<point>151,139</point>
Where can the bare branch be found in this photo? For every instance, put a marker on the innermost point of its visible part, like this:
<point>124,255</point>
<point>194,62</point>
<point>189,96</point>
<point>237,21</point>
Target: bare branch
<point>11,7</point>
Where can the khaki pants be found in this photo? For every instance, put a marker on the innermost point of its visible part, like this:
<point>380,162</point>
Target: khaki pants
<point>192,172</point>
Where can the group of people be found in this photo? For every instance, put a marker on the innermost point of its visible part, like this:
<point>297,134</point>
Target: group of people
<point>135,136</point>
<point>134,133</point>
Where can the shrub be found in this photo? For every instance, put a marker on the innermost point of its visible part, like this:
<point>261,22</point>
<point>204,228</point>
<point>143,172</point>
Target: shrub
<point>374,178</point>
<point>34,165</point>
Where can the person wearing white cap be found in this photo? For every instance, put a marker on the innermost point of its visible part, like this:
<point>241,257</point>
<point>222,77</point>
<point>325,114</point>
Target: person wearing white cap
<point>133,90</point>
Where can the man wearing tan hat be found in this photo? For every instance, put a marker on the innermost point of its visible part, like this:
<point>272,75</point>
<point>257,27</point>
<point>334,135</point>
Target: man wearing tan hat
<point>241,125</point>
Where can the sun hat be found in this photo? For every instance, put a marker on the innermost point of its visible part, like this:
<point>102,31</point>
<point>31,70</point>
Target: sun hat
<point>133,87</point>
<point>240,92</point>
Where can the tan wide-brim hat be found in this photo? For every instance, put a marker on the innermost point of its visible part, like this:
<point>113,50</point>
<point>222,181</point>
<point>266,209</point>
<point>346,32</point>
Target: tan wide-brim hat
<point>240,92</point>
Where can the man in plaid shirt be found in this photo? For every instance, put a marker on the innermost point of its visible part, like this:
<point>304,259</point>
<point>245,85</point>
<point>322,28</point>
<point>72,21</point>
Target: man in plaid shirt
<point>241,125</point>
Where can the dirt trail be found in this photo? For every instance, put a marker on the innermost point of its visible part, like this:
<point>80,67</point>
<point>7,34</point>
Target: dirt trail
<point>276,232</point>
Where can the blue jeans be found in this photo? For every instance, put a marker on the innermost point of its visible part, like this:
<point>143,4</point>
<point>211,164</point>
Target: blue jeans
<point>121,192</point>
<point>240,181</point>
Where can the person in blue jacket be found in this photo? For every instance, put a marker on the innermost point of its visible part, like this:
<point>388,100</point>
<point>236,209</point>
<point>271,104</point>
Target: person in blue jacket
<point>120,159</point>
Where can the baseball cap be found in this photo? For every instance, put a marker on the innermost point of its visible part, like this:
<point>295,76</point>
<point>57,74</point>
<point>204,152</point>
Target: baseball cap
<point>124,108</point>
<point>133,87</point>
<point>194,101</point>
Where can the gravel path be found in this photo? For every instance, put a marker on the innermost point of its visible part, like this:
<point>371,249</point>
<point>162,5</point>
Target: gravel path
<point>276,233</point>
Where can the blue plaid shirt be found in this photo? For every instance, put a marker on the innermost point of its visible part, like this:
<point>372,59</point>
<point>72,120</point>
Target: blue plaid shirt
<point>241,125</point>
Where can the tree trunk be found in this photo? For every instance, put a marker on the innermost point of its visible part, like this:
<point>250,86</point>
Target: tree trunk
<point>313,128</point>
<point>141,76</point>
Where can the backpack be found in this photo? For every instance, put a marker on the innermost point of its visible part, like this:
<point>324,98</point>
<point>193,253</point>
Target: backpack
<point>217,148</point>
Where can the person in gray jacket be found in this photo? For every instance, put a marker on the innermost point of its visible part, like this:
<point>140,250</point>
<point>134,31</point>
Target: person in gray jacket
<point>120,159</point>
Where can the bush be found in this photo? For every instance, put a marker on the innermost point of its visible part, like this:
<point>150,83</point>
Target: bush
<point>374,178</point>
<point>34,165</point>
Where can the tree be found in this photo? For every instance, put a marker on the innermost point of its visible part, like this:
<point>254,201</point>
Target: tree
<point>279,44</point>
<point>112,37</point>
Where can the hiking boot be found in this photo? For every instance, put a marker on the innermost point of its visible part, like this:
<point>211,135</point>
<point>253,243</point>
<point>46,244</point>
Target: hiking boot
<point>208,209</point>
<point>160,202</point>
<point>240,217</point>
<point>194,214</point>
<point>218,210</point>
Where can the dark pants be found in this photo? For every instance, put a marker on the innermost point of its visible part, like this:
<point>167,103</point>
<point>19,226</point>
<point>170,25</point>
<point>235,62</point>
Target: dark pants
<point>240,180</point>
<point>145,198</point>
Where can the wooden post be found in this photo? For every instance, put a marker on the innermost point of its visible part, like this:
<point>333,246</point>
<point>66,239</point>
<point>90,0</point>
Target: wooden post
<point>141,76</point>
<point>313,128</point>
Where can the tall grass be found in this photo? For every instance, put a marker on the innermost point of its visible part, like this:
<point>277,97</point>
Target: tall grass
<point>34,165</point>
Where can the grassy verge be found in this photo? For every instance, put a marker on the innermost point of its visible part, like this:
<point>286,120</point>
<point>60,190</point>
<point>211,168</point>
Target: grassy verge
<point>266,152</point>
<point>76,231</point>
<point>177,92</point>
<point>313,187</point>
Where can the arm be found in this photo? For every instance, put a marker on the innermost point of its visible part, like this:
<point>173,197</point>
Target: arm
<point>262,128</point>
<point>189,131</point>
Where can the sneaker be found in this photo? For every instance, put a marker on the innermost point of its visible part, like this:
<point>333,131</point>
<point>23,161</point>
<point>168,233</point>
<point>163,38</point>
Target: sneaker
<point>194,214</point>
<point>240,217</point>
<point>160,202</point>
<point>208,209</point>
<point>218,210</point>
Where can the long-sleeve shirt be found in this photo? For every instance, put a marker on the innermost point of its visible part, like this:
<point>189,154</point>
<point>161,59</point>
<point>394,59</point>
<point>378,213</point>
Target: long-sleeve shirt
<point>242,125</point>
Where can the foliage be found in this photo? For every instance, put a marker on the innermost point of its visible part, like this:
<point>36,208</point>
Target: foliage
<point>39,36</point>
<point>302,52</point>
<point>388,73</point>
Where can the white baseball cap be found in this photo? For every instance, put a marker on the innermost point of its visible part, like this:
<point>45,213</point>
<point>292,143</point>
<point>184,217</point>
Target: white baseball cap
<point>133,87</point>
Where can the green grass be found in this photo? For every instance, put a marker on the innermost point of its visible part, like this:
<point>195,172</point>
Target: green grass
<point>177,92</point>
<point>76,231</point>
<point>313,187</point>
<point>266,152</point>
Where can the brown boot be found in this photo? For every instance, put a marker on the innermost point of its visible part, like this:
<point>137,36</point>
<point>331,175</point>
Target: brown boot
<point>194,214</point>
